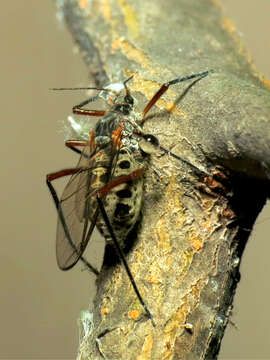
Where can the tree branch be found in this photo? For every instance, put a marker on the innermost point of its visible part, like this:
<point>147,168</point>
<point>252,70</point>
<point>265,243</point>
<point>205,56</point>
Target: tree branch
<point>194,227</point>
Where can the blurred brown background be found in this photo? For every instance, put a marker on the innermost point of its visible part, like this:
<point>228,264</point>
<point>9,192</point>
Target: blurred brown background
<point>39,303</point>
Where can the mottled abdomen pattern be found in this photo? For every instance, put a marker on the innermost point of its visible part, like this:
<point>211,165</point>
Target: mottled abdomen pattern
<point>123,202</point>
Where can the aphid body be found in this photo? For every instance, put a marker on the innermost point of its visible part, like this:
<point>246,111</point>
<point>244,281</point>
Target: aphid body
<point>118,157</point>
<point>106,187</point>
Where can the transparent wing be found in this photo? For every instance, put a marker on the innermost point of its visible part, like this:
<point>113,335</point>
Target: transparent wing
<point>77,214</point>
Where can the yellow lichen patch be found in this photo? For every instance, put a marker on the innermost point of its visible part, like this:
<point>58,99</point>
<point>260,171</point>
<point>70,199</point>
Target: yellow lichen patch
<point>146,349</point>
<point>173,211</point>
<point>105,307</point>
<point>155,273</point>
<point>83,4</point>
<point>132,53</point>
<point>130,18</point>
<point>177,323</point>
<point>228,25</point>
<point>174,206</point>
<point>104,311</point>
<point>173,194</point>
<point>163,235</point>
<point>153,279</point>
<point>172,330</point>
<point>196,290</point>
<point>134,314</point>
<point>138,256</point>
<point>176,320</point>
<point>187,258</point>
<point>168,261</point>
<point>196,241</point>
<point>105,9</point>
<point>171,107</point>
<point>266,82</point>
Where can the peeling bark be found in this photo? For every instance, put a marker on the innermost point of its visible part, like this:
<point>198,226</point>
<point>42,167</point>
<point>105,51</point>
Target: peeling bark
<point>194,227</point>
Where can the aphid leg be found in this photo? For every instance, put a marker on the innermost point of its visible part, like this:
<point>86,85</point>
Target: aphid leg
<point>166,86</point>
<point>71,144</point>
<point>103,191</point>
<point>123,259</point>
<point>151,139</point>
<point>57,175</point>
<point>136,174</point>
<point>77,110</point>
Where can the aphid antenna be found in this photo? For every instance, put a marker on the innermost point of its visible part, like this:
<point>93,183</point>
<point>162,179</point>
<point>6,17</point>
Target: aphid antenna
<point>85,88</point>
<point>128,95</point>
<point>153,140</point>
<point>127,80</point>
<point>88,101</point>
<point>194,167</point>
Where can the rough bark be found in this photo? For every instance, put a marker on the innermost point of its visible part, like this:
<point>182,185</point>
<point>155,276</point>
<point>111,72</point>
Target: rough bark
<point>194,227</point>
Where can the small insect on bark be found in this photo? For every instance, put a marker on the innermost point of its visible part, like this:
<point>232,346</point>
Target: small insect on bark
<point>106,187</point>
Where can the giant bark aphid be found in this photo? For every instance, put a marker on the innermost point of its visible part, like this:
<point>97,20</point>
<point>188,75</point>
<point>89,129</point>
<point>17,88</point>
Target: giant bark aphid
<point>106,187</point>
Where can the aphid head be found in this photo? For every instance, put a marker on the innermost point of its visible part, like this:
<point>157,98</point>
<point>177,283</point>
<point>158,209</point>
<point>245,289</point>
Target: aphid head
<point>119,95</point>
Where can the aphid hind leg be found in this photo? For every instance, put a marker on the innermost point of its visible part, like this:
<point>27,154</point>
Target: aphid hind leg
<point>123,179</point>
<point>49,179</point>
<point>102,192</point>
<point>123,259</point>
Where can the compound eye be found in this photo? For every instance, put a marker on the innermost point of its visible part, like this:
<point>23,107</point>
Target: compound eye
<point>149,143</point>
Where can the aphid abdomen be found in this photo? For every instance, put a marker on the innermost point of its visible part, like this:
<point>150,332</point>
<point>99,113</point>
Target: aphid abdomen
<point>123,202</point>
